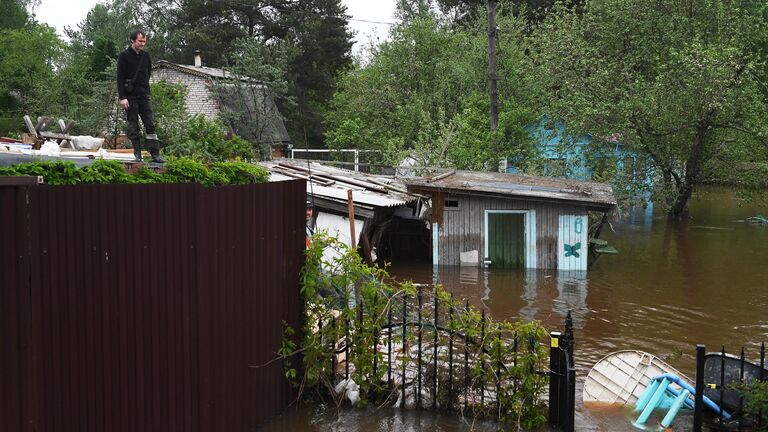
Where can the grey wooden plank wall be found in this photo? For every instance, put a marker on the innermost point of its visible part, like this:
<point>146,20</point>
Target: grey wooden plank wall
<point>463,229</point>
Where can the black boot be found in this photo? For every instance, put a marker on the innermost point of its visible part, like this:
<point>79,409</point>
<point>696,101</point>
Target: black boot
<point>137,153</point>
<point>155,153</point>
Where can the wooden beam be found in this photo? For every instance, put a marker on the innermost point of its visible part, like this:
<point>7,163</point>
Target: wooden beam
<point>30,126</point>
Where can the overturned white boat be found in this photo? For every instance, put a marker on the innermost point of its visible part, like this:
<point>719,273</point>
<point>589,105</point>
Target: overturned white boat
<point>622,376</point>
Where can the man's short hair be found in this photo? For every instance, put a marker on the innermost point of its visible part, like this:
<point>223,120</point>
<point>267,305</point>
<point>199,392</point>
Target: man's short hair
<point>136,34</point>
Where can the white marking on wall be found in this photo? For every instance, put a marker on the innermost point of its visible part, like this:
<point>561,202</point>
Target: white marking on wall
<point>572,242</point>
<point>435,243</point>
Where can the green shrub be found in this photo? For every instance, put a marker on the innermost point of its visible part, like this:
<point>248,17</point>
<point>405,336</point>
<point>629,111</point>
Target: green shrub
<point>54,173</point>
<point>241,172</point>
<point>103,172</point>
<point>187,170</point>
<point>205,140</point>
<point>348,303</point>
<point>171,117</point>
<point>181,170</point>
<point>755,400</point>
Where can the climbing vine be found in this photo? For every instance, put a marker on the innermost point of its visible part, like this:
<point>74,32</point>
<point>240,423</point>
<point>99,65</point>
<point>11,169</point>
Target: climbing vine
<point>371,340</point>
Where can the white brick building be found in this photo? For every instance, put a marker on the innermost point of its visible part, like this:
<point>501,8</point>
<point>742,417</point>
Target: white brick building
<point>201,99</point>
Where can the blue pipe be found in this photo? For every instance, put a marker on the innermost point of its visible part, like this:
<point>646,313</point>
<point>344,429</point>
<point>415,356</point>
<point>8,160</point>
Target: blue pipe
<point>707,401</point>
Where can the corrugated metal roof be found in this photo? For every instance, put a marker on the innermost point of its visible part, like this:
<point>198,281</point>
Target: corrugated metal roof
<point>592,194</point>
<point>333,183</point>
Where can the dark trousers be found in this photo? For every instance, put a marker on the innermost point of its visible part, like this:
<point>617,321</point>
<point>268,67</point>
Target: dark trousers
<point>141,107</point>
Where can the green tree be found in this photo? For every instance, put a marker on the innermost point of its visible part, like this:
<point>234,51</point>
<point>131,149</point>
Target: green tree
<point>247,99</point>
<point>320,46</point>
<point>422,95</point>
<point>28,58</point>
<point>14,14</point>
<point>674,82</point>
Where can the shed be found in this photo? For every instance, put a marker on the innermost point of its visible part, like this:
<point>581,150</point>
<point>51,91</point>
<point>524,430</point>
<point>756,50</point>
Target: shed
<point>266,126</point>
<point>511,220</point>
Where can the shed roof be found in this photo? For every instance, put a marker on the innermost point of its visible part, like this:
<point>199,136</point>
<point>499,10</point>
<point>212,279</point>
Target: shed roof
<point>595,196</point>
<point>330,185</point>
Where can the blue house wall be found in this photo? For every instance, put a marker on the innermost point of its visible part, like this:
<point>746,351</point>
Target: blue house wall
<point>566,156</point>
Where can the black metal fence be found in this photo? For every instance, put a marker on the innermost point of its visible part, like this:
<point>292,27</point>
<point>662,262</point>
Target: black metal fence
<point>726,380</point>
<point>424,362</point>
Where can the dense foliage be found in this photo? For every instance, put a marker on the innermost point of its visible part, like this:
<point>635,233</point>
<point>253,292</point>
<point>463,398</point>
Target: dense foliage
<point>349,304</point>
<point>424,94</point>
<point>680,84</point>
<point>679,87</point>
<point>181,170</point>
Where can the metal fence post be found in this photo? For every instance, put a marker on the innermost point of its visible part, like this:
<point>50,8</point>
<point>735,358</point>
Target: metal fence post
<point>698,406</point>
<point>554,378</point>
<point>570,419</point>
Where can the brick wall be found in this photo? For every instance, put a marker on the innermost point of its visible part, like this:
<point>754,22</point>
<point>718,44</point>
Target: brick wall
<point>199,98</point>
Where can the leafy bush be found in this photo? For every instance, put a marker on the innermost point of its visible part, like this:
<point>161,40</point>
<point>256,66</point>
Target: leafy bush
<point>205,140</point>
<point>182,170</point>
<point>755,400</point>
<point>186,170</point>
<point>349,304</point>
<point>55,173</point>
<point>104,171</point>
<point>241,172</point>
<point>171,117</point>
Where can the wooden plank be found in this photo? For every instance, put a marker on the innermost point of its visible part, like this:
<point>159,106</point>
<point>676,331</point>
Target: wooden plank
<point>43,123</point>
<point>30,126</point>
<point>55,135</point>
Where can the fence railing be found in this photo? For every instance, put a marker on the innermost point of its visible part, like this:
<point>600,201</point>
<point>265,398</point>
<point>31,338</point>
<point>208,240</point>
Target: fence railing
<point>423,359</point>
<point>562,378</point>
<point>725,379</point>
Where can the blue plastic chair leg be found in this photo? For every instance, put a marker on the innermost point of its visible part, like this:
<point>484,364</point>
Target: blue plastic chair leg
<point>670,417</point>
<point>653,402</point>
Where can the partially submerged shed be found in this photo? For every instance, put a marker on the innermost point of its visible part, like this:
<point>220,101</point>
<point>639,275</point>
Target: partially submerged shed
<point>511,220</point>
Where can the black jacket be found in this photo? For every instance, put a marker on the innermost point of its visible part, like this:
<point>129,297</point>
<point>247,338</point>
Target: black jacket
<point>127,63</point>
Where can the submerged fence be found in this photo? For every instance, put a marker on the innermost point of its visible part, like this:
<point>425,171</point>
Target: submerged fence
<point>146,307</point>
<point>729,380</point>
<point>433,353</point>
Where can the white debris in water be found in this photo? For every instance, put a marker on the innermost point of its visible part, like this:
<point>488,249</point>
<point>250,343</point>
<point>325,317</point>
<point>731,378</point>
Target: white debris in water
<point>352,390</point>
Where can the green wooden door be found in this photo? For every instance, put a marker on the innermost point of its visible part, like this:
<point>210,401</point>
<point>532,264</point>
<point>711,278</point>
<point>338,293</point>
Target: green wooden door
<point>506,239</point>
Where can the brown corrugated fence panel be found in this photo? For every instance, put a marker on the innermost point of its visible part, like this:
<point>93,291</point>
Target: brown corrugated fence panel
<point>147,307</point>
<point>14,280</point>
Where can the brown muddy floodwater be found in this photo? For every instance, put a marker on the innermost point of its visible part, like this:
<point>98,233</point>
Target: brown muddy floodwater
<point>672,286</point>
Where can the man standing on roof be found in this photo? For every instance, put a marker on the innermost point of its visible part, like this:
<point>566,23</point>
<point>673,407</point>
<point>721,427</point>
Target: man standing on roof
<point>134,67</point>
